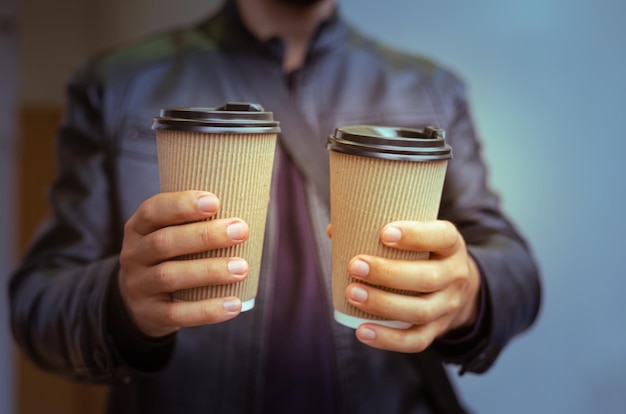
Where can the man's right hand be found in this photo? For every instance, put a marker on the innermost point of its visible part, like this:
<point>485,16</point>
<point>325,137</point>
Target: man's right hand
<point>163,228</point>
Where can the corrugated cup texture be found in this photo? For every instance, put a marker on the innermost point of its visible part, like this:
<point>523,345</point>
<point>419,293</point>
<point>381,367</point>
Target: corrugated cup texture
<point>368,193</point>
<point>237,168</point>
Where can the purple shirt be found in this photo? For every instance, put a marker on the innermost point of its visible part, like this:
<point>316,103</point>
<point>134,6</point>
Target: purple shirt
<point>300,360</point>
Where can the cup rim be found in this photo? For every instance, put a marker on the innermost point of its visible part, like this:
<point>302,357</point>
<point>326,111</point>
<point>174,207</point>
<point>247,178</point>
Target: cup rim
<point>393,143</point>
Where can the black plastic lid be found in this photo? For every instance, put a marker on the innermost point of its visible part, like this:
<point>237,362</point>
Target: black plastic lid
<point>392,143</point>
<point>233,117</point>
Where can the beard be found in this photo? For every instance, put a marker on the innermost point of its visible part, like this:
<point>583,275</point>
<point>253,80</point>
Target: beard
<point>299,3</point>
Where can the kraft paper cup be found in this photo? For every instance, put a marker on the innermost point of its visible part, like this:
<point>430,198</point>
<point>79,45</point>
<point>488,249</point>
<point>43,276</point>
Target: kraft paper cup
<point>379,175</point>
<point>228,151</point>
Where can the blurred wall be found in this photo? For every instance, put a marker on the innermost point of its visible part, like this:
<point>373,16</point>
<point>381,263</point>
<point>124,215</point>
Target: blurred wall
<point>61,35</point>
<point>8,149</point>
<point>546,80</point>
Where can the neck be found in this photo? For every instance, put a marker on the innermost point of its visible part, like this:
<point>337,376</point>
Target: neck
<point>296,25</point>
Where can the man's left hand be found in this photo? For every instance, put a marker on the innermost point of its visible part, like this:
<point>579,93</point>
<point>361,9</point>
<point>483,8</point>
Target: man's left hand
<point>448,285</point>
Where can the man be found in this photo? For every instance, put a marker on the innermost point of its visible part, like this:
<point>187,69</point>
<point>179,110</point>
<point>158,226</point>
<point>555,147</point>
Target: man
<point>92,298</point>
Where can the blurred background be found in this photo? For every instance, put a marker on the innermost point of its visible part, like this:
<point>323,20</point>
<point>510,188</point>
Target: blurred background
<point>547,82</point>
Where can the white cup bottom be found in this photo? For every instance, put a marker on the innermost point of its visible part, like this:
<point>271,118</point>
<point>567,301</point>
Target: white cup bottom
<point>354,322</point>
<point>247,305</point>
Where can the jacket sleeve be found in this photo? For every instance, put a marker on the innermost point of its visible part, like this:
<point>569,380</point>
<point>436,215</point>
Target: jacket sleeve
<point>510,281</point>
<point>60,297</point>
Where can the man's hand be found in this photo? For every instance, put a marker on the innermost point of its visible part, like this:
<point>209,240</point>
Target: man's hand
<point>449,284</point>
<point>163,228</point>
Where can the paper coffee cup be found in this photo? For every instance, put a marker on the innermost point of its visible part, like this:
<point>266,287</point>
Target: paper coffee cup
<point>228,151</point>
<point>379,175</point>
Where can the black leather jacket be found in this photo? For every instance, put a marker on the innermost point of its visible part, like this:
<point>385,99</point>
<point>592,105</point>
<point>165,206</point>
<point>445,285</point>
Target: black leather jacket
<point>65,306</point>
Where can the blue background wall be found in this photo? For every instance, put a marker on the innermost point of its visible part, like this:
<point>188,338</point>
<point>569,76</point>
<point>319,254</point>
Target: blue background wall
<point>547,82</point>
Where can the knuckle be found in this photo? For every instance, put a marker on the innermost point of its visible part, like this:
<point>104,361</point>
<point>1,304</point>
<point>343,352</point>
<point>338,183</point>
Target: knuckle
<point>146,212</point>
<point>129,274</point>
<point>423,314</point>
<point>384,272</point>
<point>125,258</point>
<point>419,344</point>
<point>429,280</point>
<point>129,226</point>
<point>426,314</point>
<point>160,242</point>
<point>206,314</point>
<point>171,316</point>
<point>163,277</point>
<point>384,303</point>
<point>412,341</point>
<point>206,234</point>
<point>450,234</point>
<point>454,304</point>
<point>458,274</point>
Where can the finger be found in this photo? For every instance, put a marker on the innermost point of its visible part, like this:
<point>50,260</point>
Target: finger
<point>196,313</point>
<point>416,310</point>
<point>174,275</point>
<point>411,340</point>
<point>329,231</point>
<point>422,276</point>
<point>170,242</point>
<point>440,237</point>
<point>167,209</point>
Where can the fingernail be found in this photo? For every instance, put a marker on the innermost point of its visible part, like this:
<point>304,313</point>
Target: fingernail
<point>367,334</point>
<point>359,268</point>
<point>358,293</point>
<point>392,235</point>
<point>208,204</point>
<point>237,231</point>
<point>232,305</point>
<point>238,266</point>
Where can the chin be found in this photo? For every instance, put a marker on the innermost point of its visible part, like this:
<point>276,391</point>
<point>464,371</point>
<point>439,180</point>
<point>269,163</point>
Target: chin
<point>299,3</point>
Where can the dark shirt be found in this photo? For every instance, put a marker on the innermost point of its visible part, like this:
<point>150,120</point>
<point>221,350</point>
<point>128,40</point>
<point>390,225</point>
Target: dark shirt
<point>300,374</point>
